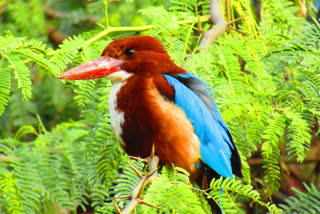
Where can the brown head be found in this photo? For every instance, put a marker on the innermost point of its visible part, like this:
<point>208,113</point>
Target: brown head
<point>142,55</point>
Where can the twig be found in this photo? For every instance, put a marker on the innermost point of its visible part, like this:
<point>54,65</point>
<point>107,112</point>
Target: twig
<point>144,180</point>
<point>54,35</point>
<point>109,30</point>
<point>138,159</point>
<point>150,205</point>
<point>239,31</point>
<point>233,21</point>
<point>219,28</point>
<point>116,206</point>
<point>135,170</point>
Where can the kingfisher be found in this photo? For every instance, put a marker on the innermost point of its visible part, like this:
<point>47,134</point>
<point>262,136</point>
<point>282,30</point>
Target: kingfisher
<point>154,102</point>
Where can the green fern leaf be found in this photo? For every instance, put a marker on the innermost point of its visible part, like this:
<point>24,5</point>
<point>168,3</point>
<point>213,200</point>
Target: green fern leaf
<point>22,75</point>
<point>10,193</point>
<point>9,43</point>
<point>299,135</point>
<point>67,52</point>
<point>270,150</point>
<point>236,187</point>
<point>304,202</point>
<point>172,196</point>
<point>5,86</point>
<point>39,59</point>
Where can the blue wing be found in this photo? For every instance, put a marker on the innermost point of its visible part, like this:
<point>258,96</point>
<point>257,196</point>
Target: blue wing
<point>216,148</point>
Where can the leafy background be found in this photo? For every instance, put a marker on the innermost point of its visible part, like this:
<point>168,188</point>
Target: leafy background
<point>57,150</point>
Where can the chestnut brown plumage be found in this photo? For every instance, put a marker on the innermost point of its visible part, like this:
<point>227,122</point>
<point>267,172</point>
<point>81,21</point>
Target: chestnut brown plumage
<point>154,101</point>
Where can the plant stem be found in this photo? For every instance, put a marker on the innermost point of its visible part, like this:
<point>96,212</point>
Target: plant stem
<point>106,3</point>
<point>122,29</point>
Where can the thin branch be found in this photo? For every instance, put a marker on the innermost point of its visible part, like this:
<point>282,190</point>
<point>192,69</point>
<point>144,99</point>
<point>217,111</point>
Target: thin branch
<point>144,180</point>
<point>138,159</point>
<point>239,31</point>
<point>121,29</point>
<point>139,28</point>
<point>233,21</point>
<point>148,204</point>
<point>116,206</point>
<point>54,35</point>
<point>106,4</point>
<point>135,170</point>
<point>220,25</point>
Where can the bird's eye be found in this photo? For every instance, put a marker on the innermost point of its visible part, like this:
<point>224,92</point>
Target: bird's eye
<point>130,52</point>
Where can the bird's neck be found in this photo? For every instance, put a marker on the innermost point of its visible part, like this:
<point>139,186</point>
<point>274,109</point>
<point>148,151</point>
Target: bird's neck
<point>119,76</point>
<point>131,92</point>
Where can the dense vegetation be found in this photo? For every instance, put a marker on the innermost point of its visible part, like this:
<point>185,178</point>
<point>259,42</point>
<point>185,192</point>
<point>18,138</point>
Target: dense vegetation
<point>57,149</point>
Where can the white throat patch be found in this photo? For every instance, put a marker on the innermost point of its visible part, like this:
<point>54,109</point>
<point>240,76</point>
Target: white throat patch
<point>117,117</point>
<point>118,76</point>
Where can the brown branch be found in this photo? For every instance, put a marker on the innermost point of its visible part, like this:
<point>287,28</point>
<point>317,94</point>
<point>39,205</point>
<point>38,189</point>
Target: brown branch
<point>144,180</point>
<point>54,35</point>
<point>220,25</point>
<point>239,31</point>
<point>234,21</point>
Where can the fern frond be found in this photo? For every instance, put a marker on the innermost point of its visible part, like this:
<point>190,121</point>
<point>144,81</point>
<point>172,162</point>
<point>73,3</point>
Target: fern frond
<point>34,45</point>
<point>172,196</point>
<point>22,75</point>
<point>37,58</point>
<point>30,188</point>
<point>258,80</point>
<point>270,150</point>
<point>303,202</point>
<point>230,68</point>
<point>107,167</point>
<point>274,14</point>
<point>67,51</point>
<point>10,194</point>
<point>183,6</point>
<point>219,188</point>
<point>248,22</point>
<point>85,91</point>
<point>175,48</point>
<point>164,23</point>
<point>9,43</point>
<point>126,181</point>
<point>299,135</point>
<point>5,86</point>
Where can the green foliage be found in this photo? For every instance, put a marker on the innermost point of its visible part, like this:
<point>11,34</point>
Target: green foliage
<point>173,193</point>
<point>54,156</point>
<point>26,13</point>
<point>5,85</point>
<point>271,151</point>
<point>10,195</point>
<point>303,202</point>
<point>265,82</point>
<point>219,193</point>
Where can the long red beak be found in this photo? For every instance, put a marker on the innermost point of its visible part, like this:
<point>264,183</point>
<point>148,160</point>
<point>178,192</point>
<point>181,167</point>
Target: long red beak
<point>94,69</point>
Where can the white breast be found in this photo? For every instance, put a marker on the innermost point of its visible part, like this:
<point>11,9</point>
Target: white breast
<point>117,117</point>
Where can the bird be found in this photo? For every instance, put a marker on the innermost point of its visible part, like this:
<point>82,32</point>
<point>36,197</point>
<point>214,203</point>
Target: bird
<point>154,102</point>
